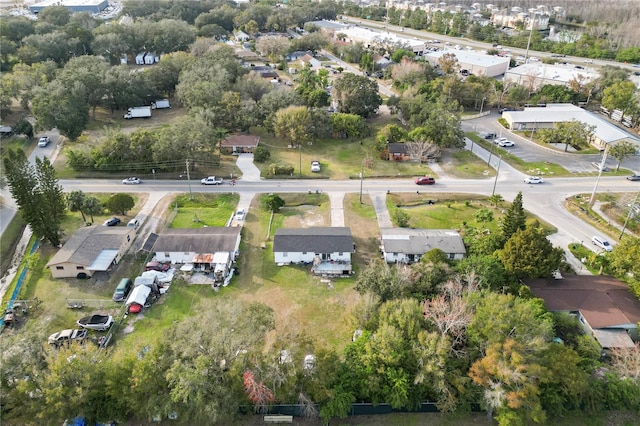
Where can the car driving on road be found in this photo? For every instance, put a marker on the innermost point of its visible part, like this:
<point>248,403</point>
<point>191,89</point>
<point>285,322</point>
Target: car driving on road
<point>425,180</point>
<point>506,144</point>
<point>131,181</point>
<point>633,178</point>
<point>533,179</point>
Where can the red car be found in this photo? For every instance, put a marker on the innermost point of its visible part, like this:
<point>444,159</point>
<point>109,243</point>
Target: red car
<point>425,180</point>
<point>157,266</point>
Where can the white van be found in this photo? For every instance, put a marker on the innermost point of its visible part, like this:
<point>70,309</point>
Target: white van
<point>602,243</point>
<point>133,223</point>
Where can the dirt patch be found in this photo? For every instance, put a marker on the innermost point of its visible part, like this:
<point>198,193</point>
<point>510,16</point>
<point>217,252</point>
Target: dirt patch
<point>303,217</point>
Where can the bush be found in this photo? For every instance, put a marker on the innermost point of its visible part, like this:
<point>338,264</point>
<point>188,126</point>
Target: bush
<point>120,203</point>
<point>400,218</point>
<point>277,169</point>
<point>261,154</point>
<point>504,123</point>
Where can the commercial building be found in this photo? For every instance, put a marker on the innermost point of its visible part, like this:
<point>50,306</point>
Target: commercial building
<point>91,6</point>
<point>475,63</point>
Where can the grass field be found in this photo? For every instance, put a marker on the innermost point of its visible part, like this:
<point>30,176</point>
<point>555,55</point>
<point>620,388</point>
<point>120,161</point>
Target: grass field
<point>9,240</point>
<point>465,165</point>
<point>204,210</point>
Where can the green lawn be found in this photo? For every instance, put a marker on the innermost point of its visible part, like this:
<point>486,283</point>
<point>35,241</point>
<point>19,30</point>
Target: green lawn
<point>204,210</point>
<point>9,241</point>
<point>466,165</point>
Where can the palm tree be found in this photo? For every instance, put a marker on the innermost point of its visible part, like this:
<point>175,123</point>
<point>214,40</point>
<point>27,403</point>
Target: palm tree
<point>496,199</point>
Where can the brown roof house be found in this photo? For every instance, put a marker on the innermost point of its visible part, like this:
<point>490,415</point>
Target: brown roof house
<point>91,249</point>
<point>238,144</point>
<point>605,307</point>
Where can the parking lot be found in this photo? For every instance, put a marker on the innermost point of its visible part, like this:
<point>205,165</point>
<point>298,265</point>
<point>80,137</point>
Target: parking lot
<point>531,152</point>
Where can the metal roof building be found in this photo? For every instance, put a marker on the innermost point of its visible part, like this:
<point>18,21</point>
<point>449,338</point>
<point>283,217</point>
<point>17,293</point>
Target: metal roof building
<point>91,6</point>
<point>533,118</point>
<point>476,63</point>
<point>535,75</point>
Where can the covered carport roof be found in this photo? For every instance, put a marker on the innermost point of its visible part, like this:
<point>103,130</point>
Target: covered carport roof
<point>103,261</point>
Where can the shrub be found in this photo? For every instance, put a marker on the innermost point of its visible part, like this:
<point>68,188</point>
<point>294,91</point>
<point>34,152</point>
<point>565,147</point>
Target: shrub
<point>261,154</point>
<point>277,169</point>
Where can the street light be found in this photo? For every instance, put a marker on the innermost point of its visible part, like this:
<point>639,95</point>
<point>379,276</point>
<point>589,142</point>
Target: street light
<point>495,182</point>
<point>482,105</point>
<point>601,168</point>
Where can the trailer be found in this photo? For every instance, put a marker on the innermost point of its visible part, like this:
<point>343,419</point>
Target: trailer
<point>138,112</point>
<point>161,104</point>
<point>140,58</point>
<point>151,58</point>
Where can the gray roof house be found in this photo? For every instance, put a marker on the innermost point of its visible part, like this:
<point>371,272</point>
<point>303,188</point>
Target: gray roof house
<point>91,249</point>
<point>178,245</point>
<point>605,307</point>
<point>405,245</point>
<point>328,248</point>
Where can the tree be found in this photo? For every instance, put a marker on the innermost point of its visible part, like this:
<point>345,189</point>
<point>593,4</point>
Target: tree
<point>572,133</point>
<point>76,202</point>
<point>621,96</point>
<point>37,193</point>
<point>93,207</point>
<point>57,105</point>
<point>483,215</point>
<point>273,203</point>
<point>120,203</point>
<point>514,219</point>
<point>348,125</point>
<point>273,47</point>
<point>90,72</point>
<point>496,199</point>
<point>56,15</point>
<point>23,127</point>
<point>400,218</point>
<point>357,94</point>
<point>448,63</point>
<point>391,133</point>
<point>622,150</point>
<point>529,254</point>
<point>293,124</point>
<point>490,272</point>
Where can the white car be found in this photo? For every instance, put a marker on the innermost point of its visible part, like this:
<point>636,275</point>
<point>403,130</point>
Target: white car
<point>506,143</point>
<point>497,141</point>
<point>315,166</point>
<point>44,141</point>
<point>131,181</point>
<point>588,61</point>
<point>240,215</point>
<point>533,179</point>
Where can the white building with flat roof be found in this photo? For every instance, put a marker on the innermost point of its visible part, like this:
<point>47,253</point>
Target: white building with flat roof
<point>605,133</point>
<point>370,38</point>
<point>536,75</point>
<point>91,6</point>
<point>476,63</point>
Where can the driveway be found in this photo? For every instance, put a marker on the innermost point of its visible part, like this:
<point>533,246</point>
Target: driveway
<point>250,173</point>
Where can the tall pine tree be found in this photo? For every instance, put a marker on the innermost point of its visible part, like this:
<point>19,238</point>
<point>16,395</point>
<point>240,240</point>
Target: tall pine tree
<point>514,219</point>
<point>38,194</point>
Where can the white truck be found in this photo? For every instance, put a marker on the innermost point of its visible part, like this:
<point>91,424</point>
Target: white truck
<point>211,180</point>
<point>138,112</point>
<point>161,104</point>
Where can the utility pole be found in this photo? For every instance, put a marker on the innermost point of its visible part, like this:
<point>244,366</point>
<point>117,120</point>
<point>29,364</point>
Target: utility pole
<point>495,182</point>
<point>300,156</point>
<point>189,181</point>
<point>633,205</point>
<point>361,179</point>
<point>482,105</point>
<point>595,188</point>
<point>526,55</point>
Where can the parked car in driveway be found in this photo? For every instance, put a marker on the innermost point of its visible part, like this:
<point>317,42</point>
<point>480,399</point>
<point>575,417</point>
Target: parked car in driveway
<point>44,141</point>
<point>157,266</point>
<point>315,166</point>
<point>131,181</point>
<point>633,177</point>
<point>533,179</point>
<point>67,336</point>
<point>114,221</point>
<point>425,180</point>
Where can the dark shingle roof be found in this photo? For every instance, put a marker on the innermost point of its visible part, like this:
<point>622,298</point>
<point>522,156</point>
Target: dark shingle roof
<point>316,240</point>
<point>198,240</point>
<point>603,301</point>
<point>249,141</point>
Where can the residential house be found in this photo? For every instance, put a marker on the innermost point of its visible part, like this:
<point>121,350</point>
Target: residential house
<point>327,248</point>
<point>91,249</point>
<point>405,245</point>
<point>310,60</point>
<point>241,36</point>
<point>294,56</point>
<point>264,71</point>
<point>603,305</point>
<point>398,152</point>
<point>237,144</point>
<point>197,246</point>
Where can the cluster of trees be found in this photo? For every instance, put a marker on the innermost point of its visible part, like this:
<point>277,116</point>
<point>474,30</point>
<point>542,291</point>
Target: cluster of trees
<point>436,331</point>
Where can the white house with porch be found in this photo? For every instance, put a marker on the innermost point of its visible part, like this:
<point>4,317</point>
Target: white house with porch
<point>329,249</point>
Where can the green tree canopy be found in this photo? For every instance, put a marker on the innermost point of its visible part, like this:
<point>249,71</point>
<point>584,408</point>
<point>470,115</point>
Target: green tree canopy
<point>356,94</point>
<point>529,254</point>
<point>120,203</point>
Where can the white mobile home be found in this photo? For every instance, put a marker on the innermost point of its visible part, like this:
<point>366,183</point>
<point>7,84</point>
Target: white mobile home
<point>404,245</point>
